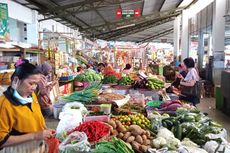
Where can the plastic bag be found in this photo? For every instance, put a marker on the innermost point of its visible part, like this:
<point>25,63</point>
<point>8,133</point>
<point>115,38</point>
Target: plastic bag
<point>213,147</point>
<point>68,121</point>
<point>53,144</point>
<point>186,149</point>
<point>222,134</point>
<point>74,106</point>
<point>76,142</point>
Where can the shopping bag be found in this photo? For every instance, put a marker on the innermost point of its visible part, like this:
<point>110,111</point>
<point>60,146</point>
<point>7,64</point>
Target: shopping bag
<point>192,91</point>
<point>76,142</point>
<point>53,144</point>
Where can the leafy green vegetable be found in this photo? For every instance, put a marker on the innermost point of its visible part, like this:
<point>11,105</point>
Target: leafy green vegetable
<point>114,146</point>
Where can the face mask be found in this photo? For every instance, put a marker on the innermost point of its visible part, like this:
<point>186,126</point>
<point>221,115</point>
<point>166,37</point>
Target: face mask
<point>21,99</point>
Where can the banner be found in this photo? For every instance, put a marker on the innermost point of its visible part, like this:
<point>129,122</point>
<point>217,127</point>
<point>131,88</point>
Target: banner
<point>4,31</point>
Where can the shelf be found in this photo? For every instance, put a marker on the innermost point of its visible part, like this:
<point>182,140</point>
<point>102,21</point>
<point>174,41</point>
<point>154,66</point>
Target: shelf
<point>10,50</point>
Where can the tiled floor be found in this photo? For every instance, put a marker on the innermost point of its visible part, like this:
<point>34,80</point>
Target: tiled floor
<point>208,105</point>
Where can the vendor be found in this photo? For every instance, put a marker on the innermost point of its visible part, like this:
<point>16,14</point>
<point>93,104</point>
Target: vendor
<point>127,69</point>
<point>21,119</point>
<point>44,89</point>
<point>101,67</point>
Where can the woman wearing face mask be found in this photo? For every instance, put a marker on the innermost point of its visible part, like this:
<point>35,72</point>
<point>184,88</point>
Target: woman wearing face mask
<point>21,120</point>
<point>44,89</point>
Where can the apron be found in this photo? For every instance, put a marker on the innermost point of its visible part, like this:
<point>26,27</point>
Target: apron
<point>27,147</point>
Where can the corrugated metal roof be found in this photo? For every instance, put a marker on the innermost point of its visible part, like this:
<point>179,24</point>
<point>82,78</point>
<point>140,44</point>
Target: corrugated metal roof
<point>98,17</point>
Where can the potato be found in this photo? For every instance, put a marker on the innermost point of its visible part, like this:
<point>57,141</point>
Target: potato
<point>120,135</point>
<point>148,142</point>
<point>145,142</point>
<point>144,137</point>
<point>114,132</point>
<point>135,130</point>
<point>143,148</point>
<point>120,127</point>
<point>139,139</point>
<point>113,124</point>
<point>148,133</point>
<point>126,136</point>
<point>135,145</point>
<point>130,139</point>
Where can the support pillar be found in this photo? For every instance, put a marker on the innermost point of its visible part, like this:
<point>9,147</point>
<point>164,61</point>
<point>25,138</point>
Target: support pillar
<point>218,39</point>
<point>176,36</point>
<point>200,52</point>
<point>184,36</point>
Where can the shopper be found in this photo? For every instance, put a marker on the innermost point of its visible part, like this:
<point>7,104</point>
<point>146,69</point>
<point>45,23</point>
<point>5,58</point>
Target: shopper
<point>190,80</point>
<point>127,69</point>
<point>45,85</point>
<point>21,119</point>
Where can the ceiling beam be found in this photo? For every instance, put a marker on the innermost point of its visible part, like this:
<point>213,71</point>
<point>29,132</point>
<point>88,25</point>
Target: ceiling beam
<point>132,20</point>
<point>112,35</point>
<point>156,36</point>
<point>84,7</point>
<point>162,5</point>
<point>44,8</point>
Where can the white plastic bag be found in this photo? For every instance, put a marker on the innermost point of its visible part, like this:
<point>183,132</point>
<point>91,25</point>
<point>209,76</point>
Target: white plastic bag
<point>74,106</point>
<point>68,121</point>
<point>76,142</point>
<point>213,147</point>
<point>222,134</point>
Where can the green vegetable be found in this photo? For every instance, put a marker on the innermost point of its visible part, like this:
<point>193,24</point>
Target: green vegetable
<point>110,79</point>
<point>114,146</point>
<point>88,94</point>
<point>155,83</point>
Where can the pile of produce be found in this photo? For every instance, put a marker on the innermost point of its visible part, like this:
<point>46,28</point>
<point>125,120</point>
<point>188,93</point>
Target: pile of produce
<point>110,79</point>
<point>134,119</point>
<point>113,146</point>
<point>109,97</point>
<point>89,76</point>
<point>134,135</point>
<point>187,124</point>
<point>171,105</point>
<point>95,131</point>
<point>88,94</point>
<point>128,108</point>
<point>155,83</point>
<point>125,80</point>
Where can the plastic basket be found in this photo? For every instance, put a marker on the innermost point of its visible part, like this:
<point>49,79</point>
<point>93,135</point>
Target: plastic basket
<point>154,103</point>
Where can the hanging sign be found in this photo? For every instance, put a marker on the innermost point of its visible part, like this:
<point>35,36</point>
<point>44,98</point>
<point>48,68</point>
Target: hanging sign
<point>126,13</point>
<point>4,31</point>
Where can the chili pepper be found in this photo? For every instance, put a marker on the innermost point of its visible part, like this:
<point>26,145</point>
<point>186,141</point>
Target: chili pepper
<point>94,130</point>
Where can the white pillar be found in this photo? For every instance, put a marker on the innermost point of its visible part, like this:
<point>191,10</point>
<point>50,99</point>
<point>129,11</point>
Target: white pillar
<point>176,36</point>
<point>218,39</point>
<point>184,35</point>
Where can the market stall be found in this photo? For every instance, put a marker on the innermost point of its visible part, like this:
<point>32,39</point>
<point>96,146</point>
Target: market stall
<point>113,117</point>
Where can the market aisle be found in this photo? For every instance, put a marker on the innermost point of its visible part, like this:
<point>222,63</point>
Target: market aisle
<point>208,105</point>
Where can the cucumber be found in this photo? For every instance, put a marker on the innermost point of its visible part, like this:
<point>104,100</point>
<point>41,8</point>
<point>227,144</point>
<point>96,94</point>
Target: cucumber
<point>178,132</point>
